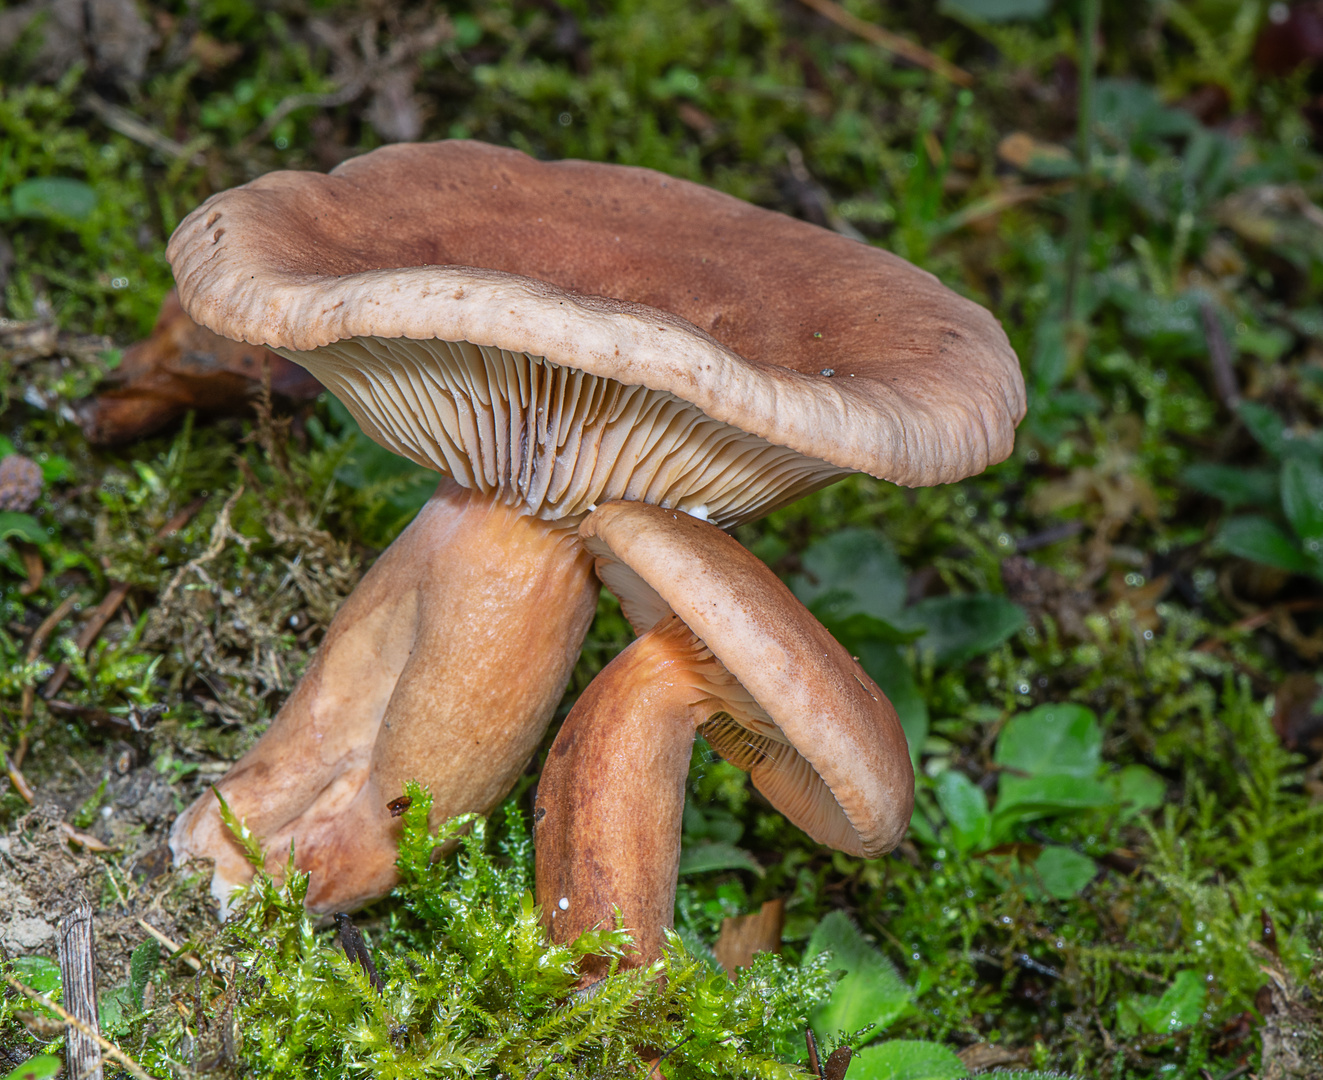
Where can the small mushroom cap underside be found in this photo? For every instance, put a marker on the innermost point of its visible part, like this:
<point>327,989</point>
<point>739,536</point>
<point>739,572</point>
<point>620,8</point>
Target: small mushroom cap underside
<point>834,758</point>
<point>622,273</point>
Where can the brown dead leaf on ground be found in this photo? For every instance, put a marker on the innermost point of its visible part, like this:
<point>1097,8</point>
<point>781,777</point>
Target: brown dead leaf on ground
<point>744,935</point>
<point>181,367</point>
<point>1022,151</point>
<point>1298,713</point>
<point>1042,591</point>
<point>1142,600</point>
<point>983,1056</point>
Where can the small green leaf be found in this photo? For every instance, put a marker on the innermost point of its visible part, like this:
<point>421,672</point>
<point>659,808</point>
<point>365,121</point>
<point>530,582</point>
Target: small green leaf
<point>907,1059</point>
<point>861,566</point>
<point>966,808</point>
<point>1260,540</point>
<point>1302,497</point>
<point>892,673</point>
<point>1051,739</point>
<point>37,973</point>
<point>40,1067</point>
<point>1138,789</point>
<point>52,198</point>
<point>114,1010</point>
<point>21,527</point>
<point>1268,429</point>
<point>996,11</point>
<point>252,846</point>
<point>142,963</point>
<point>870,995</point>
<point>708,856</point>
<point>1063,872</point>
<point>1019,799</point>
<point>962,627</point>
<point>56,468</point>
<point>1180,1006</point>
<point>1235,487</point>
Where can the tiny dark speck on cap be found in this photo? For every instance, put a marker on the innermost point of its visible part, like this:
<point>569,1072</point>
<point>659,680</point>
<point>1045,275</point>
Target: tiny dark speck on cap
<point>817,333</point>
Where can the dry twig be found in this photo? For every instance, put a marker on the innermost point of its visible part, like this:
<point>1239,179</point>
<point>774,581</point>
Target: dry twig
<point>111,1050</point>
<point>893,43</point>
<point>176,950</point>
<point>120,119</point>
<point>35,646</point>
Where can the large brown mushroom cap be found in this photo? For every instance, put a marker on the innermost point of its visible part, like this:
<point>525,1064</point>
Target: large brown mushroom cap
<point>823,743</point>
<point>803,339</point>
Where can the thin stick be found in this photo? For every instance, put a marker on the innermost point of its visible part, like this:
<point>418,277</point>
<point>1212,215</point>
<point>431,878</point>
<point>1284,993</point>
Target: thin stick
<point>78,981</point>
<point>20,782</point>
<point>893,43</point>
<point>110,603</point>
<point>35,647</point>
<point>111,1050</point>
<point>175,949</point>
<point>121,120</point>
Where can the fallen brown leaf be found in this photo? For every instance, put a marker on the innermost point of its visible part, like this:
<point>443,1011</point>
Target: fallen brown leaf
<point>183,366</point>
<point>744,935</point>
<point>982,1056</point>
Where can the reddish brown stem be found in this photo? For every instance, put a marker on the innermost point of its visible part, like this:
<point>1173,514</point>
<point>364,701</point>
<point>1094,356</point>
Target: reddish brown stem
<point>611,797</point>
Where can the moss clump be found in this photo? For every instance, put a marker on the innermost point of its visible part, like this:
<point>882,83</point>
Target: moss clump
<point>471,987</point>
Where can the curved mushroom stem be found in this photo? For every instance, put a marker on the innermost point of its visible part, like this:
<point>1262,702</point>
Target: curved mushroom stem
<point>611,797</point>
<point>443,666</point>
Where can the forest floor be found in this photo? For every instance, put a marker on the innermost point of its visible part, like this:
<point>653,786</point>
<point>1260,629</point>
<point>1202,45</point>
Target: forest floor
<point>1105,650</point>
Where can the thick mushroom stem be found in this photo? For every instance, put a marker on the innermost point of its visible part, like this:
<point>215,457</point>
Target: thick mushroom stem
<point>416,679</point>
<point>611,796</point>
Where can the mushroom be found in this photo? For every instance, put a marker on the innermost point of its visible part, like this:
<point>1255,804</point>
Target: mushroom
<point>548,337</point>
<point>732,655</point>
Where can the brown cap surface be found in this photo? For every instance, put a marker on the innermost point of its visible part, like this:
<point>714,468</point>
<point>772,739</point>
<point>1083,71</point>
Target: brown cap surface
<point>830,753</point>
<point>621,273</point>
